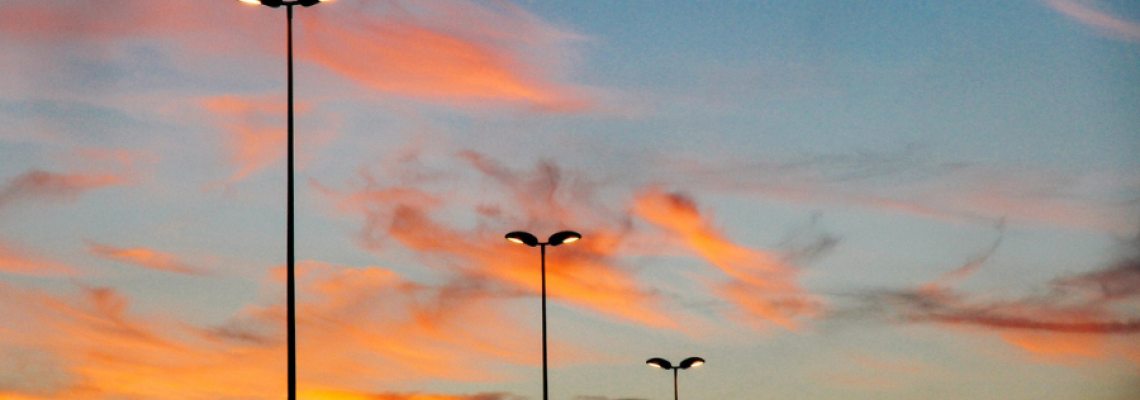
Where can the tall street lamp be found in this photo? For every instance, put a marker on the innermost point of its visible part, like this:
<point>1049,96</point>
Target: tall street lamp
<point>555,239</point>
<point>666,365</point>
<point>290,286</point>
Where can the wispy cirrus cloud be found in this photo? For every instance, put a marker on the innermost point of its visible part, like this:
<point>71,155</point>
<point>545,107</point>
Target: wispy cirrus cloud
<point>318,394</point>
<point>761,287</point>
<point>144,257</point>
<point>363,327</point>
<point>20,261</point>
<point>907,184</point>
<point>1082,315</point>
<point>457,52</point>
<point>45,186</point>
<point>254,136</point>
<point>93,169</point>
<point>761,283</point>
<point>588,275</point>
<point>1095,15</point>
<point>254,133</point>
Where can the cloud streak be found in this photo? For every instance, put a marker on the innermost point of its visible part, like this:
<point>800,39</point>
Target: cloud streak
<point>1076,316</point>
<point>144,257</point>
<point>361,327</point>
<point>19,261</point>
<point>1086,12</point>
<point>43,186</point>
<point>761,284</point>
<point>586,275</point>
<point>907,184</point>
<point>455,52</point>
<point>761,287</point>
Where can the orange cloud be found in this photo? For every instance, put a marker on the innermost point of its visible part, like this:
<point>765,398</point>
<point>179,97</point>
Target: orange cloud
<point>101,168</point>
<point>944,191</point>
<point>255,133</point>
<point>761,283</point>
<point>437,55</point>
<point>37,185</point>
<point>347,395</point>
<point>204,29</point>
<point>456,52</point>
<point>1092,315</point>
<point>143,257</point>
<point>585,274</point>
<point>17,261</point>
<point>357,327</point>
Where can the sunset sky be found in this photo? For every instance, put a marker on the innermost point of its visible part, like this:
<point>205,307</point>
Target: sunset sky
<point>824,199</point>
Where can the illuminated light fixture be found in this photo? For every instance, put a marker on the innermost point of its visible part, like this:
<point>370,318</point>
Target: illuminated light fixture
<point>687,363</point>
<point>564,237</point>
<point>691,362</point>
<point>523,238</point>
<point>279,3</point>
<point>659,363</point>
<point>556,239</point>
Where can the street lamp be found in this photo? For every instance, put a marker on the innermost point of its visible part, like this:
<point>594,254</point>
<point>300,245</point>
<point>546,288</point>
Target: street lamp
<point>666,365</point>
<point>290,286</point>
<point>555,239</point>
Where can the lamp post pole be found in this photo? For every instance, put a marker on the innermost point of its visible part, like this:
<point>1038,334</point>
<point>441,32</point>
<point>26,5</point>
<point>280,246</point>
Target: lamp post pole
<point>530,240</point>
<point>675,384</point>
<point>545,388</point>
<point>290,248</point>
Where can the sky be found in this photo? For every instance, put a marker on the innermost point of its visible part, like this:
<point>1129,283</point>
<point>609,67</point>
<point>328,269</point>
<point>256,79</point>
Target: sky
<point>823,199</point>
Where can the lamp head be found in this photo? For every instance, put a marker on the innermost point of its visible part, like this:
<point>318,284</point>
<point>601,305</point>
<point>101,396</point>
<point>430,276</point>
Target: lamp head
<point>691,362</point>
<point>279,3</point>
<point>657,362</point>
<point>521,237</point>
<point>564,237</point>
<point>270,3</point>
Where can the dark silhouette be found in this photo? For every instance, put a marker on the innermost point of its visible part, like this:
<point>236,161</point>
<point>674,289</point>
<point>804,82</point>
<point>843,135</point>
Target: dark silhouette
<point>290,286</point>
<point>555,239</point>
<point>665,364</point>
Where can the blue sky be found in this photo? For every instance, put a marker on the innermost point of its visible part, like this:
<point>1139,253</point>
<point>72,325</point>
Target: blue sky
<point>826,200</point>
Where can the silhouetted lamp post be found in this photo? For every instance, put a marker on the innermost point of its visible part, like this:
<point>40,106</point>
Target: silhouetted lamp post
<point>555,239</point>
<point>665,364</point>
<point>290,288</point>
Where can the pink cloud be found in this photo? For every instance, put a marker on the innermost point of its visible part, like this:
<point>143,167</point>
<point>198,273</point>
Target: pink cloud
<point>433,56</point>
<point>587,274</point>
<point>317,394</point>
<point>37,185</point>
<point>456,52</point>
<point>200,28</point>
<point>255,134</point>
<point>101,168</point>
<point>359,327</point>
<point>1085,12</point>
<point>1086,316</point>
<point>950,192</point>
<point>144,257</point>
<point>19,261</point>
<point>761,284</point>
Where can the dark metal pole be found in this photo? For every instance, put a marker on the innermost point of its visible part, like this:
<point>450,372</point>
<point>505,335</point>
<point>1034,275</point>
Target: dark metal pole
<point>291,314</point>
<point>545,392</point>
<point>675,384</point>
